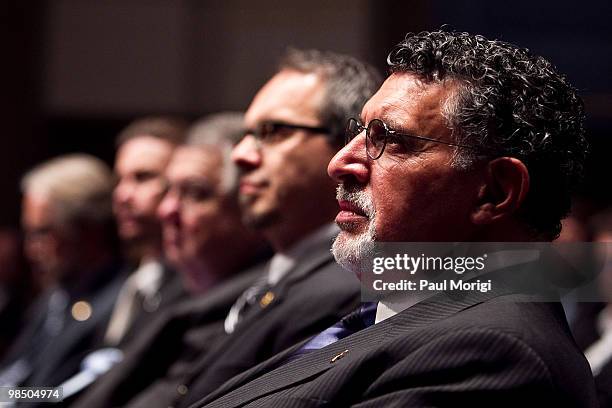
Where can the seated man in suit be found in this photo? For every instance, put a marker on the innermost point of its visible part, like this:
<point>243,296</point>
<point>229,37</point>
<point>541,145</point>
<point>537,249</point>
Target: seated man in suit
<point>468,140</point>
<point>294,127</point>
<point>70,242</point>
<point>199,216</point>
<point>200,213</point>
<point>17,288</point>
<point>144,149</point>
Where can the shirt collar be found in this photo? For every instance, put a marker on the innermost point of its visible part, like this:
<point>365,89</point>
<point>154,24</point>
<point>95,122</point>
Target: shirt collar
<point>282,263</point>
<point>148,276</point>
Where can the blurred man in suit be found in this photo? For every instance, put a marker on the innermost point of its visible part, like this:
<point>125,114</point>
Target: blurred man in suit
<point>200,214</point>
<point>70,241</point>
<point>17,288</point>
<point>467,140</point>
<point>144,149</point>
<point>215,255</point>
<point>294,126</point>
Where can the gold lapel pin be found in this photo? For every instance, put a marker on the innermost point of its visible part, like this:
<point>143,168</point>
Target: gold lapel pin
<point>266,299</point>
<point>339,356</point>
<point>81,311</point>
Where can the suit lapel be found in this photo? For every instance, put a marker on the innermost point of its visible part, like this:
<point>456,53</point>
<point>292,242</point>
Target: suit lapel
<point>304,265</point>
<point>280,291</point>
<point>218,297</point>
<point>302,270</point>
<point>260,381</point>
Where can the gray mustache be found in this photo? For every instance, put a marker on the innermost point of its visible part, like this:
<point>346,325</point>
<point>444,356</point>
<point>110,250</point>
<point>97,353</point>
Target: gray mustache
<point>357,197</point>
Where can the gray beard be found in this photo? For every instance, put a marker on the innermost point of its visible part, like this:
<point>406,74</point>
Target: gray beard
<point>355,252</point>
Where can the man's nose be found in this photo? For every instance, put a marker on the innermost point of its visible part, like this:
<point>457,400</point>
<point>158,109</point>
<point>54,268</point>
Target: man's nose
<point>351,162</point>
<point>247,153</point>
<point>168,209</point>
<point>122,192</point>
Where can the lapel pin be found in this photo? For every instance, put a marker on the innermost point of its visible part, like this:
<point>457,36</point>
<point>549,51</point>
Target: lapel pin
<point>81,311</point>
<point>339,356</point>
<point>266,299</point>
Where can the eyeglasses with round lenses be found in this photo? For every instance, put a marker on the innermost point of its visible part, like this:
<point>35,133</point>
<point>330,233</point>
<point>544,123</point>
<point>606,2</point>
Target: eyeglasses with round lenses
<point>378,134</point>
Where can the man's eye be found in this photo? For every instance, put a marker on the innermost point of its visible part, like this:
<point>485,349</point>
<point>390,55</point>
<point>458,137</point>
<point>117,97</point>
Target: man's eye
<point>143,176</point>
<point>197,193</point>
<point>403,144</point>
<point>274,133</point>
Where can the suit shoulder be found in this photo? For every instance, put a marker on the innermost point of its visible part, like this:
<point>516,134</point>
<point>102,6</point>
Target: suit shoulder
<point>329,278</point>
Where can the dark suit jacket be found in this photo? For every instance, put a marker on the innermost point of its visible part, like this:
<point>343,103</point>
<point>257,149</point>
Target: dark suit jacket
<point>62,358</point>
<point>316,294</point>
<point>586,333</point>
<point>55,357</point>
<point>313,295</point>
<point>485,350</point>
<point>171,291</point>
<point>150,353</point>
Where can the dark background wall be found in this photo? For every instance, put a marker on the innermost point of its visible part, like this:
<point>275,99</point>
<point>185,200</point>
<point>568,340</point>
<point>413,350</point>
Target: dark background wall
<point>75,71</point>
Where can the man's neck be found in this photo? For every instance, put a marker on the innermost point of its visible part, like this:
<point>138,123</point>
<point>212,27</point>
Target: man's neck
<point>284,240</point>
<point>222,263</point>
<point>137,253</point>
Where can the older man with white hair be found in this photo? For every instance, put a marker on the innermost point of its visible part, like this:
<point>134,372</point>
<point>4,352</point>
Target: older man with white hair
<point>70,242</point>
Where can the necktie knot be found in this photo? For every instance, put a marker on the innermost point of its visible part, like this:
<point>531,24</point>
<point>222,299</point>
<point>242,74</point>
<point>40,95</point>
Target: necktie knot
<point>244,304</point>
<point>364,316</point>
<point>360,318</point>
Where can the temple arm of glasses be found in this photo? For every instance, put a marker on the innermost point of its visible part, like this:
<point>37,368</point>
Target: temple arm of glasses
<point>394,133</point>
<point>313,129</point>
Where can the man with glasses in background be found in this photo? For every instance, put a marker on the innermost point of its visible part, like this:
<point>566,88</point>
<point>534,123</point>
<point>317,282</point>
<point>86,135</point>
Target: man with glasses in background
<point>294,126</point>
<point>216,257</point>
<point>468,140</point>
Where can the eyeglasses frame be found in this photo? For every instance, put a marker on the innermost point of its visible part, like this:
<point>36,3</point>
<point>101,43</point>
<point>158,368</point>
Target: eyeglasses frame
<point>389,131</point>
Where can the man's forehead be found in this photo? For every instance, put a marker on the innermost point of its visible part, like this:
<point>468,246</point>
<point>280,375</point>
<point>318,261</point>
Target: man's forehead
<point>36,208</point>
<point>144,143</point>
<point>144,152</point>
<point>194,161</point>
<point>402,94</point>
<point>288,95</point>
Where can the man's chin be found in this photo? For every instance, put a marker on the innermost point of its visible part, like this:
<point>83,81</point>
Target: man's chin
<point>353,252</point>
<point>258,220</point>
<point>352,228</point>
<point>129,232</point>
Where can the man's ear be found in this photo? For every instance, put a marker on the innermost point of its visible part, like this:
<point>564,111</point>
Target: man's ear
<point>505,187</point>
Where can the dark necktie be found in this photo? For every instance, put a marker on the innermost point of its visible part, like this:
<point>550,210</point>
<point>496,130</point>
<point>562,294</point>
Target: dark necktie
<point>364,316</point>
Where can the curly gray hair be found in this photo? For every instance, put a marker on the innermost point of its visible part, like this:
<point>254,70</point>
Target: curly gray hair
<point>512,103</point>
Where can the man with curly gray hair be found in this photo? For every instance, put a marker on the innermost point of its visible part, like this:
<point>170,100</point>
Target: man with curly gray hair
<point>468,140</point>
